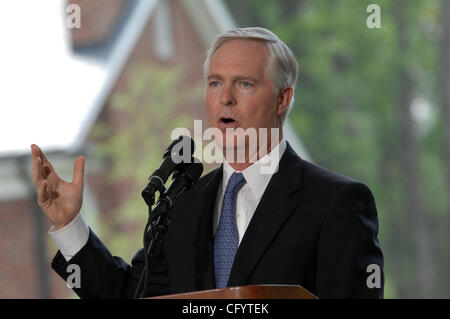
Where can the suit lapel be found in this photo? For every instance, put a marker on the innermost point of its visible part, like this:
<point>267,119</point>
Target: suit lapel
<point>203,238</point>
<point>189,248</point>
<point>275,207</point>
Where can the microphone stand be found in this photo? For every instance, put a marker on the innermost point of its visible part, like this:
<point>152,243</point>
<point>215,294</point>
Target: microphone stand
<point>159,218</point>
<point>155,230</point>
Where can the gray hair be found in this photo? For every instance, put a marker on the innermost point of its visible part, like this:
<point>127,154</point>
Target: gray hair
<point>282,66</point>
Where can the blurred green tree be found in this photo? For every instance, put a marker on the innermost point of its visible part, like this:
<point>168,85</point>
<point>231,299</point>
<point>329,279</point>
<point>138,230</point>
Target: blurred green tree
<point>366,106</point>
<point>146,110</point>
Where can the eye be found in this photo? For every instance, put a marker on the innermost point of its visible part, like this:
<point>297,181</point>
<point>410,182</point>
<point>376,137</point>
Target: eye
<point>246,84</point>
<point>213,84</point>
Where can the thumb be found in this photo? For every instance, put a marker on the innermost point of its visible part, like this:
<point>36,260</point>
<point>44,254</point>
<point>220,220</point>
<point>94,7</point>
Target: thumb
<point>78,171</point>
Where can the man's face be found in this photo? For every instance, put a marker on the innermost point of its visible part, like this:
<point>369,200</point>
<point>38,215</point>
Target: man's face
<point>239,92</point>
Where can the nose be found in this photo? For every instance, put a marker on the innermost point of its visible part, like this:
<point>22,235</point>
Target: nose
<point>227,97</point>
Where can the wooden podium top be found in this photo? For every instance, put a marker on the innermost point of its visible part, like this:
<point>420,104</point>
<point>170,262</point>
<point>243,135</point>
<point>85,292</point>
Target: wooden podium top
<point>247,292</point>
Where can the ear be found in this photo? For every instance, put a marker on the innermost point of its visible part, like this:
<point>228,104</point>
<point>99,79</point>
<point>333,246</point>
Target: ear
<point>284,98</point>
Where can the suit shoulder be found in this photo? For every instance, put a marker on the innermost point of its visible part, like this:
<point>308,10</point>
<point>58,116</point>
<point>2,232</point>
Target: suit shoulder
<point>335,194</point>
<point>316,175</point>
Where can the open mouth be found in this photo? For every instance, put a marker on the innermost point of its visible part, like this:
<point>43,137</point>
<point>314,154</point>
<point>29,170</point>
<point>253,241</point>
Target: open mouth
<point>226,120</point>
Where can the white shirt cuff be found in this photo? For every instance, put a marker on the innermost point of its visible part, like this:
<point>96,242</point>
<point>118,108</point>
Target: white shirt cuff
<point>72,237</point>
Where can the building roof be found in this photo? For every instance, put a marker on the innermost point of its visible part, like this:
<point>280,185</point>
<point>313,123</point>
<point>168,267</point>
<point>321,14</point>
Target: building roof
<point>54,95</point>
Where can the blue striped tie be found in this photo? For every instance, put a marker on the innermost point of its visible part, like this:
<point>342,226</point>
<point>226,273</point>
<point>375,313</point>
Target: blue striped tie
<point>226,241</point>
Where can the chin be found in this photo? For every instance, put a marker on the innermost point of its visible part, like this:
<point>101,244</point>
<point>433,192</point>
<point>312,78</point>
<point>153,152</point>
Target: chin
<point>227,141</point>
<point>234,149</point>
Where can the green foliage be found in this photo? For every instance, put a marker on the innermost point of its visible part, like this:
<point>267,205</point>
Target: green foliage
<point>347,109</point>
<point>145,112</point>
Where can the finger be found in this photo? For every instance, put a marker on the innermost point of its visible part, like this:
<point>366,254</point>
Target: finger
<point>42,191</point>
<point>35,166</point>
<point>78,171</point>
<point>36,172</point>
<point>44,159</point>
<point>40,163</point>
<point>33,151</point>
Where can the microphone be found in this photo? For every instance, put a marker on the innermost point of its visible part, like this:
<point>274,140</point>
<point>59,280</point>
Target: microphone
<point>184,177</point>
<point>177,152</point>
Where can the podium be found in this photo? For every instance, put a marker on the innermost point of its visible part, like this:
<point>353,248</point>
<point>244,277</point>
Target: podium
<point>247,292</point>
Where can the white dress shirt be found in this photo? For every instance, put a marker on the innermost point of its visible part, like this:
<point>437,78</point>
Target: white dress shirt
<point>250,194</point>
<point>72,237</point>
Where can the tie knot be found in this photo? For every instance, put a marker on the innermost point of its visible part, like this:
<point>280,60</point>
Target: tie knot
<point>235,182</point>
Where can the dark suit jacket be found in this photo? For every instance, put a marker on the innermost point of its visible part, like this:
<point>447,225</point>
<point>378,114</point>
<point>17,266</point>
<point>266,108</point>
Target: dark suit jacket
<point>312,227</point>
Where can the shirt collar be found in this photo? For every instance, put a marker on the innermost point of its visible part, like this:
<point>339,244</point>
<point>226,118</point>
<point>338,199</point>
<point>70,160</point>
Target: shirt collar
<point>259,173</point>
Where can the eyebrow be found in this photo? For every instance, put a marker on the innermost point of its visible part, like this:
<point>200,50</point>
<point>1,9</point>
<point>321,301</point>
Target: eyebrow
<point>235,78</point>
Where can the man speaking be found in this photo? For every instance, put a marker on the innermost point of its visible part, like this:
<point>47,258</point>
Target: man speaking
<point>299,224</point>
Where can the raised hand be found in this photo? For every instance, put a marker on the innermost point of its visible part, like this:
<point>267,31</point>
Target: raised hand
<point>60,200</point>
